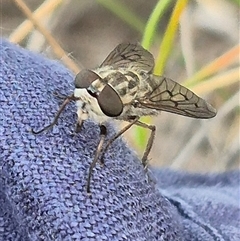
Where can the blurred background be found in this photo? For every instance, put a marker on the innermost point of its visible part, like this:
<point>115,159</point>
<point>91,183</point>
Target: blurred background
<point>195,43</point>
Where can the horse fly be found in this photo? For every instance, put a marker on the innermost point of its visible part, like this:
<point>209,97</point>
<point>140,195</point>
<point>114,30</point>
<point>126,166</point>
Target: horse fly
<point>124,88</point>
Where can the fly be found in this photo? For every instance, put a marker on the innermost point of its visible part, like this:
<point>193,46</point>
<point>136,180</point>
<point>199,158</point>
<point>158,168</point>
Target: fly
<point>124,88</point>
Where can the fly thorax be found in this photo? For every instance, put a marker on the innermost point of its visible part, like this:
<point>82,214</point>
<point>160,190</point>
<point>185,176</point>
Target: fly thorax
<point>124,82</point>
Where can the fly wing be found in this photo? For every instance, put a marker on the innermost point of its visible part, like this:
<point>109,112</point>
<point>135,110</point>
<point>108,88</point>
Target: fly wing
<point>130,54</point>
<point>167,95</point>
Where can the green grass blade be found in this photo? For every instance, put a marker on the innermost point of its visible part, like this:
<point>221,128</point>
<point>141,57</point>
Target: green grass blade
<point>150,29</point>
<point>168,38</point>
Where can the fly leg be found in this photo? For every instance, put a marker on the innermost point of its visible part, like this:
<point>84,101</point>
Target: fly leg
<point>148,148</point>
<point>149,145</point>
<point>100,149</point>
<point>116,136</point>
<point>62,107</point>
<point>103,133</point>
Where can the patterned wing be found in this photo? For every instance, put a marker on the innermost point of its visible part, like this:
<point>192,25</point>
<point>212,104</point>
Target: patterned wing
<point>167,95</point>
<point>129,54</point>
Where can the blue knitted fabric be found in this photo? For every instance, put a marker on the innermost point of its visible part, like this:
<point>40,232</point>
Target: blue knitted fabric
<point>43,177</point>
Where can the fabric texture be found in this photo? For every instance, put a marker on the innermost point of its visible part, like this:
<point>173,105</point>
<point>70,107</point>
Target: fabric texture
<point>43,177</point>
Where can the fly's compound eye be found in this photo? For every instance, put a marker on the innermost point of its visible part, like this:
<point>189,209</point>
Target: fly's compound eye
<point>110,102</point>
<point>85,78</point>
